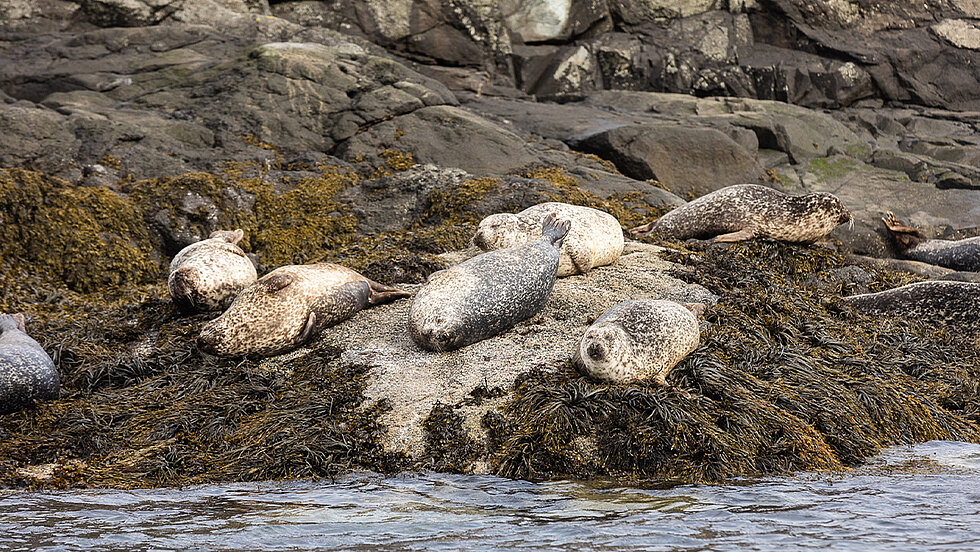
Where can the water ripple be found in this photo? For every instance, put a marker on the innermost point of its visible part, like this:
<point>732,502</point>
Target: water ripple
<point>871,509</point>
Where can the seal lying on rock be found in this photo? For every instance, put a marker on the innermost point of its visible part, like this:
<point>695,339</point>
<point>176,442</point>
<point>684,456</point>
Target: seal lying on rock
<point>963,255</point>
<point>207,275</point>
<point>289,306</point>
<point>594,239</point>
<point>27,373</point>
<point>637,340</point>
<point>950,303</point>
<point>747,211</point>
<point>487,294</point>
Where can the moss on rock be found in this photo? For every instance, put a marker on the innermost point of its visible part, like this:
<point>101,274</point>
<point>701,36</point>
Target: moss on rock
<point>89,238</point>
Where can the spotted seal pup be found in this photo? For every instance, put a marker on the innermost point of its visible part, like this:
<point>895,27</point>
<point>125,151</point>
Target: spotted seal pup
<point>207,275</point>
<point>747,211</point>
<point>27,373</point>
<point>487,294</point>
<point>963,255</point>
<point>594,239</point>
<point>289,306</point>
<point>950,303</point>
<point>638,339</point>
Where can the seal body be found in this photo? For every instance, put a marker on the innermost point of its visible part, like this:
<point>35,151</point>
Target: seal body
<point>639,339</point>
<point>487,294</point>
<point>746,211</point>
<point>289,306</point>
<point>950,303</point>
<point>962,255</point>
<point>27,373</point>
<point>209,274</point>
<point>595,237</point>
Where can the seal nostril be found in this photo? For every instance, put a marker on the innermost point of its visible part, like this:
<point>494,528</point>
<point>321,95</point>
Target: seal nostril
<point>595,351</point>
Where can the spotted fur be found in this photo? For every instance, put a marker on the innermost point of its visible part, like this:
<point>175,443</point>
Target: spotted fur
<point>288,307</point>
<point>639,339</point>
<point>949,303</point>
<point>963,255</point>
<point>488,294</point>
<point>207,275</point>
<point>594,239</point>
<point>748,211</point>
<point>27,373</point>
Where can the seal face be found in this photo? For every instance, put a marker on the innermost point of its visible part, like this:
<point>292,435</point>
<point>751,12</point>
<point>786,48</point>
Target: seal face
<point>27,373</point>
<point>207,275</point>
<point>963,255</point>
<point>747,211</point>
<point>289,306</point>
<point>487,294</point>
<point>594,239</point>
<point>950,303</point>
<point>638,339</point>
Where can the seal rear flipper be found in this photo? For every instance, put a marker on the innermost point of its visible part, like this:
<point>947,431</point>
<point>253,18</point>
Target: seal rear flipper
<point>555,230</point>
<point>741,235</point>
<point>338,305</point>
<point>381,293</point>
<point>230,236</point>
<point>309,329</point>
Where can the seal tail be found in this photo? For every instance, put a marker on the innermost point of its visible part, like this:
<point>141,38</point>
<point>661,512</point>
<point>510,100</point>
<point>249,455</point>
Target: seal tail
<point>554,229</point>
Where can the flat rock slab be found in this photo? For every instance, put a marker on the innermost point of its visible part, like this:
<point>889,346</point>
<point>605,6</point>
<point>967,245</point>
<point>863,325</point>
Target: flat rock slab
<point>413,380</point>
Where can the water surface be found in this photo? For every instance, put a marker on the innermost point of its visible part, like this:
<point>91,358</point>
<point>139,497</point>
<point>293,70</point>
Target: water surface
<point>920,498</point>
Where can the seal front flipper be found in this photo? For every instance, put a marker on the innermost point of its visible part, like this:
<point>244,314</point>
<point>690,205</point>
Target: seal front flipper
<point>230,248</point>
<point>274,282</point>
<point>741,235</point>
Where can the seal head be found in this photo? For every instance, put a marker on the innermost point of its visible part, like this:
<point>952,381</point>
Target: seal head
<point>27,373</point>
<point>487,294</point>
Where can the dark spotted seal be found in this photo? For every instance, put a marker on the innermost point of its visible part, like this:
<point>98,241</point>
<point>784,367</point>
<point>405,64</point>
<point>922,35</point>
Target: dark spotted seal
<point>594,239</point>
<point>639,339</point>
<point>746,211</point>
<point>487,294</point>
<point>27,373</point>
<point>207,275</point>
<point>289,306</point>
<point>949,303</point>
<point>963,255</point>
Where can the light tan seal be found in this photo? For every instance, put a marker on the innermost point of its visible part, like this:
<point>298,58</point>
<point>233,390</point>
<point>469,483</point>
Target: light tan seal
<point>289,306</point>
<point>208,275</point>
<point>638,339</point>
<point>27,373</point>
<point>747,211</point>
<point>595,237</point>
<point>963,255</point>
<point>487,294</point>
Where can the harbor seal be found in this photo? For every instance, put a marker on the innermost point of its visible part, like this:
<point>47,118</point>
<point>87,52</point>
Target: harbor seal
<point>949,303</point>
<point>27,373</point>
<point>487,294</point>
<point>638,339</point>
<point>289,306</point>
<point>594,239</point>
<point>962,255</point>
<point>747,211</point>
<point>208,275</point>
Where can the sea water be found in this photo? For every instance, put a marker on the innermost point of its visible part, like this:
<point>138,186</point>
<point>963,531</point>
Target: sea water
<point>925,497</point>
